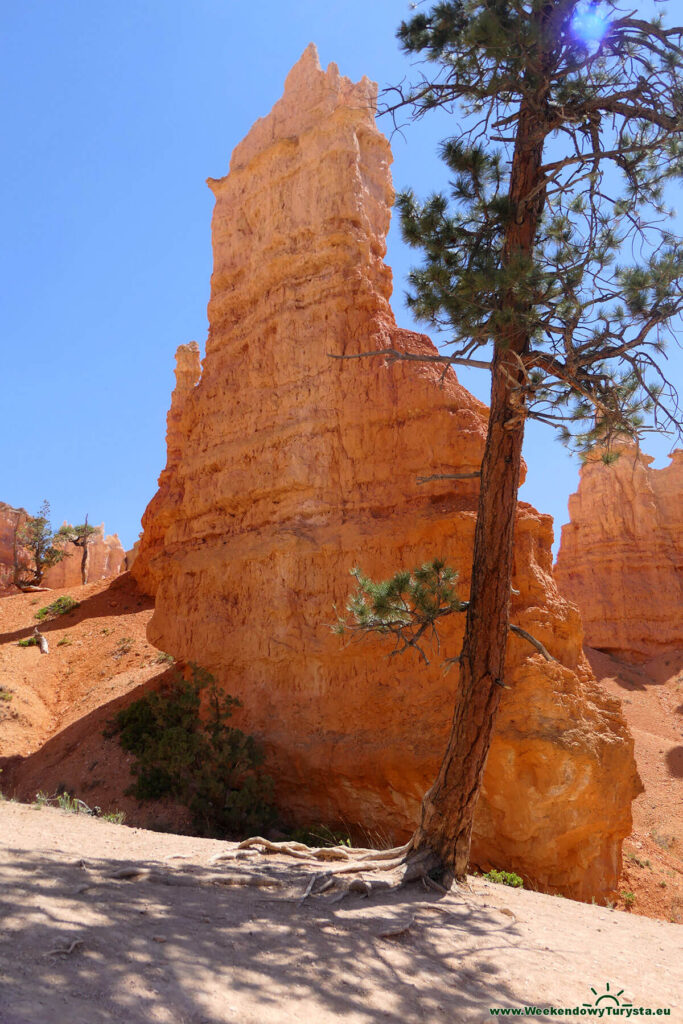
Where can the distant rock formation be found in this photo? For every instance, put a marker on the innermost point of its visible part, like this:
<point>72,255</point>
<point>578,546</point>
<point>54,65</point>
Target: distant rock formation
<point>11,552</point>
<point>286,468</point>
<point>106,556</point>
<point>621,555</point>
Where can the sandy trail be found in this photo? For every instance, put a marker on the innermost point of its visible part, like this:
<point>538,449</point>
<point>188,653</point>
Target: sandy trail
<point>78,945</point>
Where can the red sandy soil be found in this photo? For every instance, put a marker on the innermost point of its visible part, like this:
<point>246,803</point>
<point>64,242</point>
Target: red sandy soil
<point>51,726</point>
<point>652,700</point>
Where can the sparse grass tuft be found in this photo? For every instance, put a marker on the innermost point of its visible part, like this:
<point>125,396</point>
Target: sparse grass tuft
<point>165,659</point>
<point>636,860</point>
<point>321,835</point>
<point>115,817</point>
<point>30,641</point>
<point>628,897</point>
<point>62,606</point>
<point>661,839</point>
<point>72,805</point>
<point>124,646</point>
<point>5,695</point>
<point>66,641</point>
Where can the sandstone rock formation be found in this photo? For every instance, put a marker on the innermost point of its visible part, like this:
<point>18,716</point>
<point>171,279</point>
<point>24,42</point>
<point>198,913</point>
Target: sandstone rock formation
<point>11,522</point>
<point>287,467</point>
<point>621,556</point>
<point>106,556</point>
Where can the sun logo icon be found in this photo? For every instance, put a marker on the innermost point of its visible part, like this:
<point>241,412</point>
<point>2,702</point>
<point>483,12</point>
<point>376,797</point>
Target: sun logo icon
<point>608,997</point>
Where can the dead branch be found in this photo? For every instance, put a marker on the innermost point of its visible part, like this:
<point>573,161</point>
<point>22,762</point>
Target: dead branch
<point>42,641</point>
<point>518,631</point>
<point>393,355</point>
<point>448,476</point>
<point>67,951</point>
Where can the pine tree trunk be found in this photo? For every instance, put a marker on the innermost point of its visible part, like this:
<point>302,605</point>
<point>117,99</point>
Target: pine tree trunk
<point>84,556</point>
<point>84,562</point>
<point>448,807</point>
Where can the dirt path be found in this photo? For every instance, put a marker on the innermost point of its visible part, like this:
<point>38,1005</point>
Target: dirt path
<point>81,946</point>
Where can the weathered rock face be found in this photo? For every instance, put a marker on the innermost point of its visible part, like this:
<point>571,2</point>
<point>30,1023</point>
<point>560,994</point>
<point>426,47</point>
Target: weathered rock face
<point>621,556</point>
<point>106,557</point>
<point>11,522</point>
<point>286,468</point>
<point>162,509</point>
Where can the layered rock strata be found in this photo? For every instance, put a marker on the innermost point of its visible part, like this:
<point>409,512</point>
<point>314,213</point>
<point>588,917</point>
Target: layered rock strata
<point>621,556</point>
<point>288,467</point>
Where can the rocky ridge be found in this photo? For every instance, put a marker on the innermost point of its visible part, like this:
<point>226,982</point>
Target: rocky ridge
<point>287,467</point>
<point>621,556</point>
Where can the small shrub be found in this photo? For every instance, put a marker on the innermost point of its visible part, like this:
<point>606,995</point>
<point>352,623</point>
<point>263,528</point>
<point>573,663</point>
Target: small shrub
<point>505,878</point>
<point>124,646</point>
<point>165,659</point>
<point>30,641</point>
<point>641,863</point>
<point>115,817</point>
<point>5,695</point>
<point>69,803</point>
<point>61,606</point>
<point>629,898</point>
<point>206,764</point>
<point>66,641</point>
<point>661,839</point>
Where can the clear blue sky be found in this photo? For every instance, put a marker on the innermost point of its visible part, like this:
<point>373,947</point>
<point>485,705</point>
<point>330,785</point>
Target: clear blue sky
<point>114,114</point>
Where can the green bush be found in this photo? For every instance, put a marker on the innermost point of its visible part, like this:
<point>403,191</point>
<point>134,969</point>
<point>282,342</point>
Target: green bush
<point>505,878</point>
<point>202,762</point>
<point>59,607</point>
<point>30,641</point>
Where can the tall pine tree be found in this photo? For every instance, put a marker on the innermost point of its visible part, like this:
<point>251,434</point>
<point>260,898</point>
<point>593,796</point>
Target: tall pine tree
<point>552,261</point>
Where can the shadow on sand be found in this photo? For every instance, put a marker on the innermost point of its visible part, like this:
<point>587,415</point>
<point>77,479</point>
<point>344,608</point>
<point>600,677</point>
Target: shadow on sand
<point>80,946</point>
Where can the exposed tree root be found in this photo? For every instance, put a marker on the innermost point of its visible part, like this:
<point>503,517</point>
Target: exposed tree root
<point>407,864</point>
<point>142,874</point>
<point>395,867</point>
<point>67,951</point>
<point>355,859</point>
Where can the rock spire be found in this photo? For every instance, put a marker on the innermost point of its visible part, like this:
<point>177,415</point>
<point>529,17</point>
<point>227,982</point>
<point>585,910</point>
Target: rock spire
<point>288,467</point>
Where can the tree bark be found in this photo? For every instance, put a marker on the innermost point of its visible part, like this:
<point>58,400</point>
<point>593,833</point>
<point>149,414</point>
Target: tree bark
<point>84,556</point>
<point>448,807</point>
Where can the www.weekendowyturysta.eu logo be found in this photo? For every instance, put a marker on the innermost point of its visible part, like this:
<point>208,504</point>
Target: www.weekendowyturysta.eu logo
<point>609,1002</point>
<point>608,998</point>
